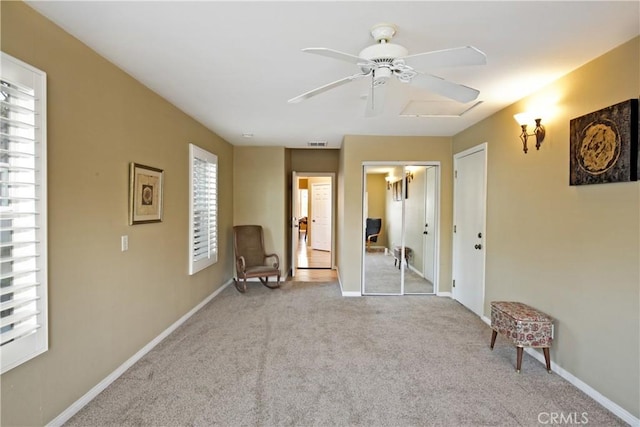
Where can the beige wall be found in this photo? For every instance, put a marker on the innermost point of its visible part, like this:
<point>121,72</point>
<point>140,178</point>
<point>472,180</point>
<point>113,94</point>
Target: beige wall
<point>571,251</point>
<point>393,212</point>
<point>259,182</point>
<point>315,160</point>
<point>377,202</point>
<point>357,149</point>
<point>104,304</point>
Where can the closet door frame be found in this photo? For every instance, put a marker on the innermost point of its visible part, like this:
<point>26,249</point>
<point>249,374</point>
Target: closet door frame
<point>364,201</point>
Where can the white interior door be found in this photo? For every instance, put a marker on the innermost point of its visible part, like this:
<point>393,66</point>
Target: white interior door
<point>321,216</point>
<point>469,228</point>
<point>429,233</point>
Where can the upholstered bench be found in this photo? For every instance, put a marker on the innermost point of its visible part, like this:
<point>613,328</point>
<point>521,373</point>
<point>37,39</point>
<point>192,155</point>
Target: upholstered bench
<point>397,255</point>
<point>524,326</point>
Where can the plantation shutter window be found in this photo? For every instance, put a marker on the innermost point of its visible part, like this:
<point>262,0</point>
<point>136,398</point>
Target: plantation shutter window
<point>203,209</point>
<point>23,220</point>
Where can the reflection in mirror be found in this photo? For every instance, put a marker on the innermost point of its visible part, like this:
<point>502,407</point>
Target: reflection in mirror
<point>400,257</point>
<point>380,277</point>
<point>420,230</point>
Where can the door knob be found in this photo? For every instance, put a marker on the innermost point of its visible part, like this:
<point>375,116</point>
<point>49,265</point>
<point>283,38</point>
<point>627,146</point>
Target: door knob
<point>478,246</point>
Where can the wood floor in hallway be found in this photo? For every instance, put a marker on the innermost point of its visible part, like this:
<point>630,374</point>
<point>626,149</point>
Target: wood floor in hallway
<point>313,265</point>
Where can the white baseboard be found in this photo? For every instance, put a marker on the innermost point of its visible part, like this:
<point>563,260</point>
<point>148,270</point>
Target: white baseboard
<point>444,294</point>
<point>412,268</point>
<point>625,415</point>
<point>351,294</point>
<point>346,293</point>
<point>613,407</point>
<point>80,403</point>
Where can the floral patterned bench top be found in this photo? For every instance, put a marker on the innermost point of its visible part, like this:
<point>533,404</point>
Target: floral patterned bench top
<point>520,311</point>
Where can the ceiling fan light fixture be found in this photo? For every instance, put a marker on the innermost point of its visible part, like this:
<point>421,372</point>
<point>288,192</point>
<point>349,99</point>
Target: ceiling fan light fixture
<point>384,59</point>
<point>381,74</point>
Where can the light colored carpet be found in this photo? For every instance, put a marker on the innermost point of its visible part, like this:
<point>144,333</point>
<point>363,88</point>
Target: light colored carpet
<point>303,355</point>
<point>383,277</point>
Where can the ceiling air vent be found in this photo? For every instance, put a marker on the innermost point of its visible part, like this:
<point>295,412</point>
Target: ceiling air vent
<point>316,144</point>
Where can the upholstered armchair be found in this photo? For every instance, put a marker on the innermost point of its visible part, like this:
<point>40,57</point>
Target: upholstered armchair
<point>372,231</point>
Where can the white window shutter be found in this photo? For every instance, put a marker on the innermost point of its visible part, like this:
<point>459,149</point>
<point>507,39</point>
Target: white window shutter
<point>203,209</point>
<point>23,217</point>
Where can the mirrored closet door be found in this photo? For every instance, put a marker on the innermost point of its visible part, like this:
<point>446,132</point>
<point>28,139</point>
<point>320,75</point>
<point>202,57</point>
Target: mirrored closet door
<point>400,226</point>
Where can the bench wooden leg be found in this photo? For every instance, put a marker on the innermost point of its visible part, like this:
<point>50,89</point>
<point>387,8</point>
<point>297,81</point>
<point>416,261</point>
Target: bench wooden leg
<point>547,358</point>
<point>519,361</point>
<point>493,338</point>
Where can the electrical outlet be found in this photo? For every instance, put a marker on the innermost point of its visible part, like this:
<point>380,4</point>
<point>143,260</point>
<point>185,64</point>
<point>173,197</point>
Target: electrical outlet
<point>124,243</point>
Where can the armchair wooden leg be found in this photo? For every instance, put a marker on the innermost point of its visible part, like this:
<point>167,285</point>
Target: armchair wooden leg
<point>239,286</point>
<point>265,281</point>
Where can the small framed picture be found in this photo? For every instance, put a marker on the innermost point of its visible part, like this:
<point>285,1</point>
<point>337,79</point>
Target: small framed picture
<point>145,194</point>
<point>397,190</point>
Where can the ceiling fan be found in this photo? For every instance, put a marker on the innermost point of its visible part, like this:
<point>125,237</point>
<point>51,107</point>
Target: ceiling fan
<point>384,59</point>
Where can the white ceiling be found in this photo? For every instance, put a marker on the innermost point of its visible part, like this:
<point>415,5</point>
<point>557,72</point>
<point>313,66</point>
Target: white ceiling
<point>233,65</point>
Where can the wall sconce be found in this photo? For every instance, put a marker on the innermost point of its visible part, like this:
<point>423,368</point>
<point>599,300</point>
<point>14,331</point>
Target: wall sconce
<point>539,132</point>
<point>409,176</point>
<point>389,179</point>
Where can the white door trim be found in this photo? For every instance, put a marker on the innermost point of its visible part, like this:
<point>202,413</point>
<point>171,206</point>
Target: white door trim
<point>331,175</point>
<point>436,231</point>
<point>294,223</point>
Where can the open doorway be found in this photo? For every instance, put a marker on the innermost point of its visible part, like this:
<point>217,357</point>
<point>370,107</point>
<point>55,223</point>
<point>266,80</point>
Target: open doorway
<point>313,221</point>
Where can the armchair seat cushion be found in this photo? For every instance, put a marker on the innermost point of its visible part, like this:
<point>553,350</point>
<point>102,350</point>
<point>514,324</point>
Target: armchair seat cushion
<point>260,270</point>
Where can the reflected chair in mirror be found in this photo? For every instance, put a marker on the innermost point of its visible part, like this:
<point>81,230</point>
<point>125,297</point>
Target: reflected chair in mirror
<point>251,259</point>
<point>372,231</point>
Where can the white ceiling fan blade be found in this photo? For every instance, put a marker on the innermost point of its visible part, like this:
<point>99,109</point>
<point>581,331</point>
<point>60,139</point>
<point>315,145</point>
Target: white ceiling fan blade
<point>375,99</point>
<point>323,51</point>
<point>324,88</point>
<point>444,87</point>
<point>456,57</point>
